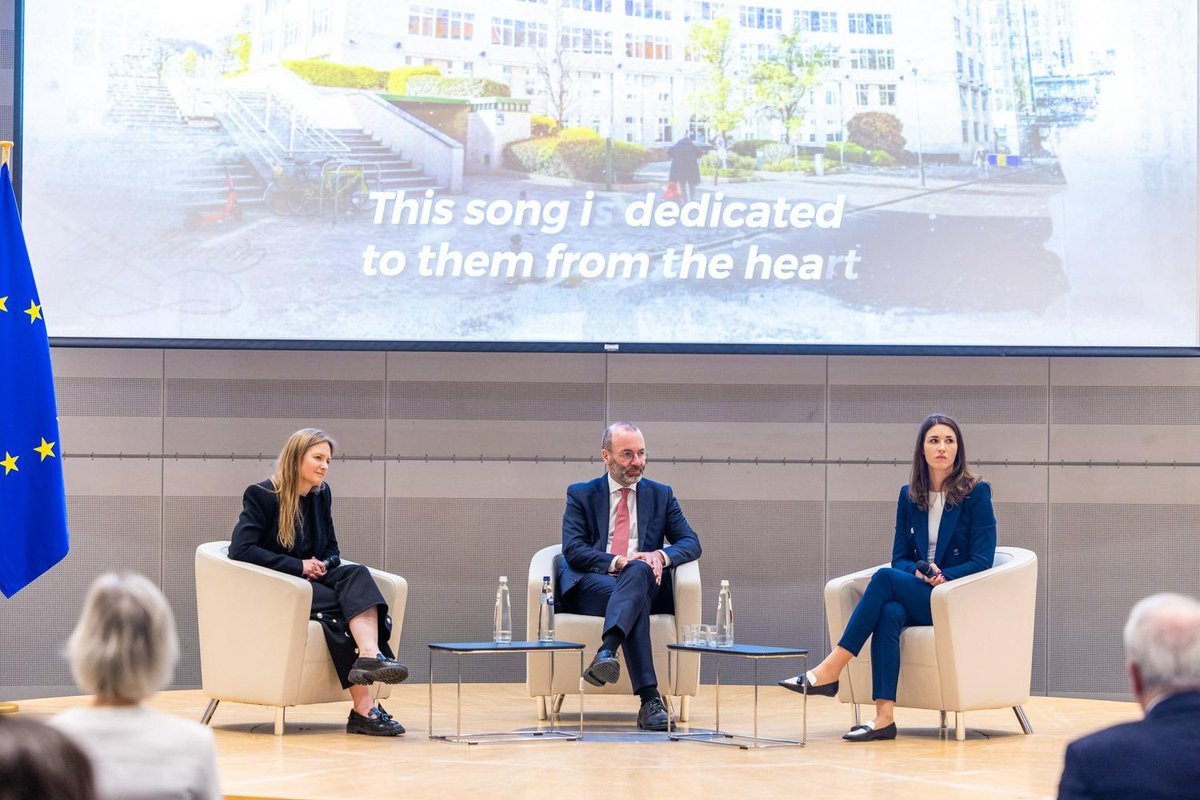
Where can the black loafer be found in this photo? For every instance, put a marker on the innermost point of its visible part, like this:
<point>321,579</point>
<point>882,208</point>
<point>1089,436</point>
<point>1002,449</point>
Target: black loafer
<point>862,733</point>
<point>604,668</point>
<point>800,683</point>
<point>377,670</point>
<point>377,722</point>
<point>652,716</point>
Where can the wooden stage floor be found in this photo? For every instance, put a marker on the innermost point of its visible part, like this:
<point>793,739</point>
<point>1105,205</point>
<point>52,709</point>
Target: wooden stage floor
<point>317,760</point>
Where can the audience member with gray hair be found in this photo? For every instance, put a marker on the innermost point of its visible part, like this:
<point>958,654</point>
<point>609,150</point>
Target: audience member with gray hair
<point>123,650</point>
<point>1158,757</point>
<point>39,762</point>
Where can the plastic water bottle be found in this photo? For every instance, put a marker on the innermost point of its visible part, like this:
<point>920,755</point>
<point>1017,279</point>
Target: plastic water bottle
<point>502,633</point>
<point>724,617</point>
<point>546,612</point>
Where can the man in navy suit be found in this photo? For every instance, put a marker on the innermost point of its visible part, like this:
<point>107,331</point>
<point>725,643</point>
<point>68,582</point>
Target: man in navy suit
<point>1157,757</point>
<point>622,534</point>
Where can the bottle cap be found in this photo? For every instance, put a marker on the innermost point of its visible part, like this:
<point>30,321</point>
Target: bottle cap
<point>724,583</point>
<point>504,579</point>
<point>545,577</point>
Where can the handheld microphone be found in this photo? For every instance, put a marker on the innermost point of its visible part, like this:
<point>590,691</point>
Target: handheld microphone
<point>333,562</point>
<point>927,569</point>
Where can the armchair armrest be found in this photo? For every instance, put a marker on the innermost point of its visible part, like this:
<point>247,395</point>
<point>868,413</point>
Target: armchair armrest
<point>841,596</point>
<point>541,565</point>
<point>983,632</point>
<point>688,601</point>
<point>233,598</point>
<point>395,591</point>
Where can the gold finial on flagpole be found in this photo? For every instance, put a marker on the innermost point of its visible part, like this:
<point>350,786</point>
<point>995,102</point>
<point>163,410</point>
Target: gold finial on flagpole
<point>9,708</point>
<point>6,153</point>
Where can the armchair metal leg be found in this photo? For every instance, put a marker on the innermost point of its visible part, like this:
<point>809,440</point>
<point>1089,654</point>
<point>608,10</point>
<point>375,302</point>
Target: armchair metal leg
<point>685,707</point>
<point>541,705</point>
<point>558,701</point>
<point>279,720</point>
<point>209,711</point>
<point>1026,728</point>
<point>942,719</point>
<point>857,719</point>
<point>960,726</point>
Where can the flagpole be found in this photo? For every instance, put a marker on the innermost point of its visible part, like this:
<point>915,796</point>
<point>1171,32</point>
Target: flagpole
<point>5,154</point>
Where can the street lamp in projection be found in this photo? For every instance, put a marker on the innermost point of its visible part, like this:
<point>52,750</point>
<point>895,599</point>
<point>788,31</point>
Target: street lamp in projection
<point>612,126</point>
<point>842,79</point>
<point>916,84</point>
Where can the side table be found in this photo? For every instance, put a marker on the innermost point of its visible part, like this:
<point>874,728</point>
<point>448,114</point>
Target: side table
<point>460,649</point>
<point>755,653</point>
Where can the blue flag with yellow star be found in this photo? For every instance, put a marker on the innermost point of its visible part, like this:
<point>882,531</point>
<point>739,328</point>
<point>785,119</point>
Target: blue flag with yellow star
<point>33,504</point>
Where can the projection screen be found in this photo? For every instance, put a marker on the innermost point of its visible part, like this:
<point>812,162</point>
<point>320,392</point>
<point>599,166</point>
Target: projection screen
<point>525,173</point>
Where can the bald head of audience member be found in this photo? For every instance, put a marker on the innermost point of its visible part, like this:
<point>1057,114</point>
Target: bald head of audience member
<point>1162,646</point>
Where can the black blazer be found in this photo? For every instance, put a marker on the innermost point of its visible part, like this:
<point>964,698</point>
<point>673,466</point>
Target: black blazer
<point>1155,758</point>
<point>661,526</point>
<point>256,535</point>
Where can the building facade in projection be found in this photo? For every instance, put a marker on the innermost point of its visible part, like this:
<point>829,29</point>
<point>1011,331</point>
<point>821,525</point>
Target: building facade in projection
<point>954,72</point>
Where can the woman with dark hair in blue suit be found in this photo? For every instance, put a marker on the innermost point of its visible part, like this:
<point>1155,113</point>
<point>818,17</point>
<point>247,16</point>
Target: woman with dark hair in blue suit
<point>944,518</point>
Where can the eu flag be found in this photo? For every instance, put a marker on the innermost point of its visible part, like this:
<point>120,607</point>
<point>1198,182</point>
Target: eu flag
<point>33,505</point>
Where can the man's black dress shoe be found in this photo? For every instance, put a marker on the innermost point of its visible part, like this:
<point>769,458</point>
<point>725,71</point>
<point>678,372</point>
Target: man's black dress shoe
<point>377,669</point>
<point>377,722</point>
<point>862,733</point>
<point>604,668</point>
<point>798,683</point>
<point>652,716</point>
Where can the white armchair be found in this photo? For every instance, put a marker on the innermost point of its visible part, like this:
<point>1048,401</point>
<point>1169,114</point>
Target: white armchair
<point>978,654</point>
<point>257,643</point>
<point>664,629</point>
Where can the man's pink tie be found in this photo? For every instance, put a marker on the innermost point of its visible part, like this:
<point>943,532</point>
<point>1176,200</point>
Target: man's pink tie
<point>620,545</point>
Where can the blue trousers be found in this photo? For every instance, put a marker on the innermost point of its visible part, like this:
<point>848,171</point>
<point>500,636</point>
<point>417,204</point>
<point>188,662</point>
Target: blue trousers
<point>625,600</point>
<point>893,601</point>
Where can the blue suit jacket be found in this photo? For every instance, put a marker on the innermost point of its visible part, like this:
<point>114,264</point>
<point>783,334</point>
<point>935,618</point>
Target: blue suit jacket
<point>660,523</point>
<point>1152,759</point>
<point>966,536</point>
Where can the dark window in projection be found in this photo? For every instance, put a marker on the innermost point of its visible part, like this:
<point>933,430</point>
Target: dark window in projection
<point>583,174</point>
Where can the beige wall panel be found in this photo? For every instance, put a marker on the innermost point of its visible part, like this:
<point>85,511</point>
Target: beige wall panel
<point>1125,371</point>
<point>494,404</point>
<point>109,401</point>
<point>1125,443</point>
<point>769,407</point>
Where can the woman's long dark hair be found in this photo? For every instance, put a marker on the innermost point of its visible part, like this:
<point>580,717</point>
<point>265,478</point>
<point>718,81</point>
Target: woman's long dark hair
<point>959,482</point>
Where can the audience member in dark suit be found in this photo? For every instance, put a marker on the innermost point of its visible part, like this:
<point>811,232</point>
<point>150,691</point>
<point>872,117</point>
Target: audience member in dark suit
<point>1158,757</point>
<point>287,525</point>
<point>622,534</point>
<point>944,517</point>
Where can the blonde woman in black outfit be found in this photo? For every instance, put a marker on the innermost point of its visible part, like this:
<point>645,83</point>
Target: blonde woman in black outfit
<point>287,525</point>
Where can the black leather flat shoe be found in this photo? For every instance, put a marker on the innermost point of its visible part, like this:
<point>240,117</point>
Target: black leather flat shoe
<point>800,682</point>
<point>604,668</point>
<point>366,671</point>
<point>862,733</point>
<point>377,722</point>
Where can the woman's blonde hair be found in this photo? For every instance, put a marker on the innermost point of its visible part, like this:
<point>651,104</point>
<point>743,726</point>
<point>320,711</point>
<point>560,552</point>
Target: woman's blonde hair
<point>286,479</point>
<point>124,646</point>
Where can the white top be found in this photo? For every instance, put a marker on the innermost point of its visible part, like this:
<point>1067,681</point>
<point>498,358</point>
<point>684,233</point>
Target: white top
<point>937,504</point>
<point>142,754</point>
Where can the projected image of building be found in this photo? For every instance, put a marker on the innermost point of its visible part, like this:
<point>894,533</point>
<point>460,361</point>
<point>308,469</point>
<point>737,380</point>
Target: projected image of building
<point>946,67</point>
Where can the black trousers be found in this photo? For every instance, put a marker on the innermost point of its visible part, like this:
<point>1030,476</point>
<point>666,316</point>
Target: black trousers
<point>340,595</point>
